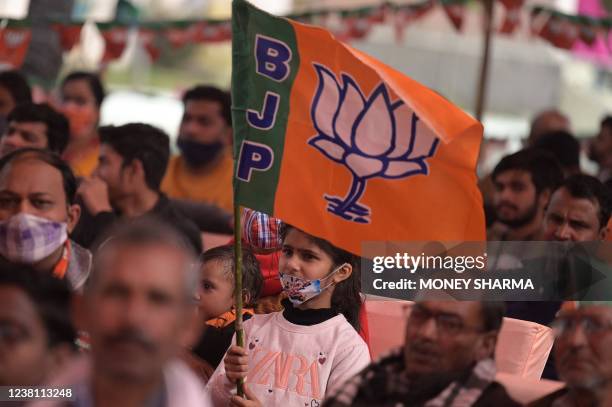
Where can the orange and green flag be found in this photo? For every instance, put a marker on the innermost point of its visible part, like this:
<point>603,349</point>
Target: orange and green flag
<point>343,146</point>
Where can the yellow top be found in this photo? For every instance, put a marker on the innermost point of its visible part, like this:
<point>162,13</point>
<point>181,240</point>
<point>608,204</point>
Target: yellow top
<point>213,185</point>
<point>84,164</point>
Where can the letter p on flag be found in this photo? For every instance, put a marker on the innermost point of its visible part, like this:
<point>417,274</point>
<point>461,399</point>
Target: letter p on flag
<point>253,157</point>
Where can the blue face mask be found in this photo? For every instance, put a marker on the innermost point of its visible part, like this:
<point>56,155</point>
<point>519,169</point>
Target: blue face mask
<point>300,290</point>
<point>198,154</point>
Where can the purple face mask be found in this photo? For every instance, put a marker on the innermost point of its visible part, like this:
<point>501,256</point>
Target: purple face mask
<point>28,239</point>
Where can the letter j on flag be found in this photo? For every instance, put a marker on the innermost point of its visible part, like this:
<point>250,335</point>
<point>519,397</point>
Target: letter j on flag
<point>343,146</point>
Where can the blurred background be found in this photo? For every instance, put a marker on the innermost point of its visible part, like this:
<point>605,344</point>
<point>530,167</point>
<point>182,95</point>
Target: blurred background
<point>149,51</point>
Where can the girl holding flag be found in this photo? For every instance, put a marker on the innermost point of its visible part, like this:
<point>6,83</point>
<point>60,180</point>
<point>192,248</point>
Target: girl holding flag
<point>299,356</point>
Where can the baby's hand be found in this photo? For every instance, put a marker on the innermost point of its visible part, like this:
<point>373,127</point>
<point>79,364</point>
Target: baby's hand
<point>236,363</point>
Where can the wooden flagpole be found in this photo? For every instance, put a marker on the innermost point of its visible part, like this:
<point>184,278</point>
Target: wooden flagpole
<point>485,61</point>
<point>238,287</point>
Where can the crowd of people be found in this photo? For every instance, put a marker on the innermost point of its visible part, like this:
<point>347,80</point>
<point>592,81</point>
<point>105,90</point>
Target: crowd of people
<point>106,287</point>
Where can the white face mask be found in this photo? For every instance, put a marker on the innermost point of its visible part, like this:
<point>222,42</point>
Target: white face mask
<point>28,239</point>
<point>301,290</point>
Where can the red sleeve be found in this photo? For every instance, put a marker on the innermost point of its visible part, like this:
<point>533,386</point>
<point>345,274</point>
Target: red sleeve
<point>363,323</point>
<point>268,264</point>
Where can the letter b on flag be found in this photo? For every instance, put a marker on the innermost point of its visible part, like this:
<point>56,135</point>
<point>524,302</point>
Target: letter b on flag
<point>272,57</point>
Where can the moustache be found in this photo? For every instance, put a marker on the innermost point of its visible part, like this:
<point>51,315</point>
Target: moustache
<point>130,335</point>
<point>575,354</point>
<point>506,204</point>
<point>424,348</point>
<point>186,135</point>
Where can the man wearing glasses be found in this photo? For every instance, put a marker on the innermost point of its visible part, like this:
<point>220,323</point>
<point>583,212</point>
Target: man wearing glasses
<point>447,360</point>
<point>583,355</point>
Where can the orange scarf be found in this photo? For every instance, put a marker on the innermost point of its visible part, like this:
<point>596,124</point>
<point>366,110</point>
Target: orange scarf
<point>227,318</point>
<point>60,269</point>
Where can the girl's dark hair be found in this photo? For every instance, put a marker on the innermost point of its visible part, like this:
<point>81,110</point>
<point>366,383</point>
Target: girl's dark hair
<point>92,79</point>
<point>346,298</point>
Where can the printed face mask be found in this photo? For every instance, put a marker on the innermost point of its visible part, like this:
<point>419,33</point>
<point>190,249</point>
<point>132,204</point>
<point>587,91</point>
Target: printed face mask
<point>301,290</point>
<point>28,239</point>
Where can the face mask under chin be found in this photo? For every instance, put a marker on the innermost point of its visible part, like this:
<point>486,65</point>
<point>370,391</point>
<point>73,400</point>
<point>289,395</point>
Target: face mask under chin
<point>198,154</point>
<point>299,290</point>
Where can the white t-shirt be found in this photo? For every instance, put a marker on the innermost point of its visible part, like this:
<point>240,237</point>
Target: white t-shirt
<point>294,365</point>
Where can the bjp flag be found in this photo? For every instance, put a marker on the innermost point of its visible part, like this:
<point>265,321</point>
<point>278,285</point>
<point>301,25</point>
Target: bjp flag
<point>341,145</point>
<point>14,42</point>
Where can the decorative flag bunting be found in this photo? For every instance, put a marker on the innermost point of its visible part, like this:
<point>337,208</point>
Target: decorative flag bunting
<point>588,30</point>
<point>148,39</point>
<point>341,145</point>
<point>180,33</point>
<point>537,20</point>
<point>213,31</point>
<point>14,41</point>
<point>512,15</point>
<point>406,14</point>
<point>564,31</point>
<point>115,37</point>
<point>455,10</point>
<point>358,23</point>
<point>69,34</point>
<point>560,32</point>
<point>558,29</point>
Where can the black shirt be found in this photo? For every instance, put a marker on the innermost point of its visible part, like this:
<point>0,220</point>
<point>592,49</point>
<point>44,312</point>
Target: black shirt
<point>214,342</point>
<point>91,227</point>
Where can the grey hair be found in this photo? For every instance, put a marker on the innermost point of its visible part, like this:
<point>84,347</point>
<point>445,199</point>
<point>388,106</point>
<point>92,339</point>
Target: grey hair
<point>143,231</point>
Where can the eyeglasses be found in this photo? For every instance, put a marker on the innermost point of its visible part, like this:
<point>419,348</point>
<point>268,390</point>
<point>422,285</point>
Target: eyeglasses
<point>447,324</point>
<point>590,325</point>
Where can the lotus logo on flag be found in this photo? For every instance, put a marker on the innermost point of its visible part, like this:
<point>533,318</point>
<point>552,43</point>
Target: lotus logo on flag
<point>372,137</point>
